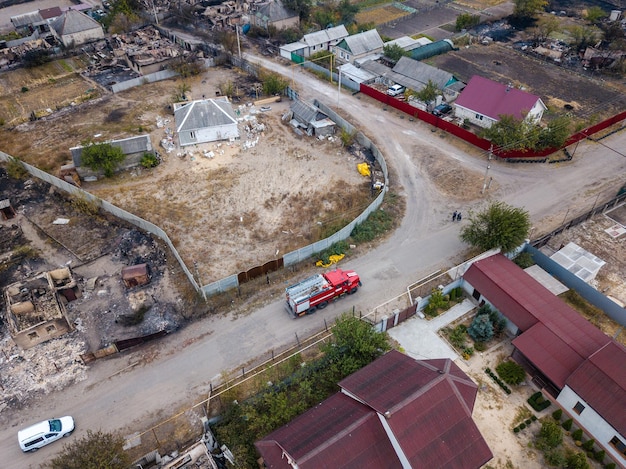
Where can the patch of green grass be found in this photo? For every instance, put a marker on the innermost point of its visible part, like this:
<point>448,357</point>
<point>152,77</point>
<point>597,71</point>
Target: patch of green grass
<point>378,223</point>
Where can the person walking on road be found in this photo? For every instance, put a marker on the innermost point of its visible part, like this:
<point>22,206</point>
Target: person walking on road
<point>454,216</point>
<point>458,216</point>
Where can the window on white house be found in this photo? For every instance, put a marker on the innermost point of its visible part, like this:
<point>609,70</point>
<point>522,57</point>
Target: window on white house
<point>578,408</point>
<point>618,444</point>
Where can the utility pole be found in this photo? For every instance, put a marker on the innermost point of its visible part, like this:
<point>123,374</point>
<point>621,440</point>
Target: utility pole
<point>487,170</point>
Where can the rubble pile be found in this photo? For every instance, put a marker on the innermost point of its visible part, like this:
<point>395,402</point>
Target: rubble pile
<point>51,366</point>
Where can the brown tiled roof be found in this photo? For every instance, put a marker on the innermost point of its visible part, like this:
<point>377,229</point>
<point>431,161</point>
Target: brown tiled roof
<point>601,382</point>
<point>424,407</point>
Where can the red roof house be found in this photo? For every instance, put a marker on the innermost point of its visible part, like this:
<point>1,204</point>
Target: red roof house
<point>483,101</point>
<point>580,365</point>
<point>394,413</point>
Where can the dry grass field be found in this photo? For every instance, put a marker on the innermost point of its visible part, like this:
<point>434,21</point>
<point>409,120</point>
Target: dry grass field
<point>380,15</point>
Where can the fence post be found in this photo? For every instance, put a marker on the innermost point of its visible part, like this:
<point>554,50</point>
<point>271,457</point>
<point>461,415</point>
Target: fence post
<point>297,339</point>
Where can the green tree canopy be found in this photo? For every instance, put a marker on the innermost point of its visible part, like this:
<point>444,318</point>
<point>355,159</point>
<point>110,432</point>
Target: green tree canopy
<point>528,8</point>
<point>102,157</point>
<point>429,93</point>
<point>96,450</point>
<point>510,133</point>
<point>347,11</point>
<point>302,7</point>
<point>273,83</point>
<point>355,344</point>
<point>550,435</point>
<point>481,329</point>
<point>394,52</point>
<point>466,21</point>
<point>498,226</point>
<point>595,14</point>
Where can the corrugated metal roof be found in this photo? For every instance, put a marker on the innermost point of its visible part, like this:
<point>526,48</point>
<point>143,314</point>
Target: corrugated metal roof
<point>356,74</point>
<point>362,43</point>
<point>26,19</point>
<point>423,72</point>
<point>429,404</point>
<point>493,99</point>
<point>601,382</point>
<point>204,113</point>
<point>47,13</point>
<point>306,113</point>
<point>325,35</point>
<point>72,22</point>
<point>526,303</point>
<point>132,271</point>
<point>338,433</point>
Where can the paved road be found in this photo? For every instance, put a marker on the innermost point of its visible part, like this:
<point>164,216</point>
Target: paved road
<point>128,393</point>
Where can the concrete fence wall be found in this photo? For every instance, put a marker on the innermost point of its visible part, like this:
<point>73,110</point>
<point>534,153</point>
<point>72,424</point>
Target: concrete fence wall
<point>150,78</point>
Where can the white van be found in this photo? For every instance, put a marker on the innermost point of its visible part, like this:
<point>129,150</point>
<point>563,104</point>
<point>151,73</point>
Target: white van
<point>43,433</point>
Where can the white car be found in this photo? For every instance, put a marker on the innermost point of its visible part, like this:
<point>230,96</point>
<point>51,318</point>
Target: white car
<point>44,433</point>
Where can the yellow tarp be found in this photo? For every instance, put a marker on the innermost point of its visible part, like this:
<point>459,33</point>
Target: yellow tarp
<point>331,260</point>
<point>363,168</point>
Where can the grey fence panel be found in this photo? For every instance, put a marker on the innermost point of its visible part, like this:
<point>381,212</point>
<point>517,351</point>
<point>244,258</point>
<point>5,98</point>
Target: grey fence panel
<point>221,285</point>
<point>150,78</point>
<point>593,296</point>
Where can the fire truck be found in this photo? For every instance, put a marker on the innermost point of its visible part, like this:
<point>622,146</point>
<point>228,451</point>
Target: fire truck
<point>316,292</point>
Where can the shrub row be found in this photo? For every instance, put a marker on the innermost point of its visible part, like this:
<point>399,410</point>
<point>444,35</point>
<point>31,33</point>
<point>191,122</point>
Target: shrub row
<point>524,424</point>
<point>538,402</point>
<point>497,379</point>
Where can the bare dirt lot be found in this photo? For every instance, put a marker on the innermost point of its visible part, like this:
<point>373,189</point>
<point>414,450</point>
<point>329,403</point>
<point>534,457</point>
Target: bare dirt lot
<point>591,99</point>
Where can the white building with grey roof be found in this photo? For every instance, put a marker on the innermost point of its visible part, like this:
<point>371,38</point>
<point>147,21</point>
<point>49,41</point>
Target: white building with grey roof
<point>206,120</point>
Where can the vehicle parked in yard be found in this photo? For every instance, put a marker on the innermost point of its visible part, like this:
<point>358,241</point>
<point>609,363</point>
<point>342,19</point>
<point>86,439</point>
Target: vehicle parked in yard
<point>44,433</point>
<point>395,90</point>
<point>317,291</point>
<point>442,109</point>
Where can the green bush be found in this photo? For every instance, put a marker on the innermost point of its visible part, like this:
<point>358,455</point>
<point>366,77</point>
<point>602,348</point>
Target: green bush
<point>516,430</point>
<point>511,372</point>
<point>149,160</point>
<point>577,435</point>
<point>588,445</point>
<point>550,435</point>
<point>538,402</point>
<point>528,422</point>
<point>533,418</point>
<point>481,329</point>
<point>555,457</point>
<point>610,465</point>
<point>576,460</point>
<point>378,223</point>
<point>522,426</point>
<point>567,425</point>
<point>599,455</point>
<point>556,415</point>
<point>480,346</point>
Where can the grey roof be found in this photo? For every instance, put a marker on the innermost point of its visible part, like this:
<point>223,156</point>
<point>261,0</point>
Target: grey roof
<point>203,114</point>
<point>423,72</point>
<point>357,74</point>
<point>376,68</point>
<point>364,42</point>
<point>432,49</point>
<point>306,113</point>
<point>274,11</point>
<point>26,19</point>
<point>293,46</point>
<point>325,35</point>
<point>408,43</point>
<point>72,22</point>
<point>129,146</point>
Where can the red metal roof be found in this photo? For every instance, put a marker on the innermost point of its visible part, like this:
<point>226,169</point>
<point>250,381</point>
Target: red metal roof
<point>426,406</point>
<point>494,99</point>
<point>601,382</point>
<point>524,301</point>
<point>338,433</point>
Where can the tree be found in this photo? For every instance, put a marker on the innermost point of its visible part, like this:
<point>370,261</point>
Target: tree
<point>302,7</point>
<point>583,36</point>
<point>273,83</point>
<point>510,133</point>
<point>355,344</point>
<point>34,58</point>
<point>498,226</point>
<point>480,329</point>
<point>550,435</point>
<point>180,92</point>
<point>394,52</point>
<point>511,372</point>
<point>576,460</point>
<point>96,450</point>
<point>595,14</point>
<point>555,133</point>
<point>347,12</point>
<point>102,156</point>
<point>466,21</point>
<point>528,8</point>
<point>546,26</point>
<point>429,93</point>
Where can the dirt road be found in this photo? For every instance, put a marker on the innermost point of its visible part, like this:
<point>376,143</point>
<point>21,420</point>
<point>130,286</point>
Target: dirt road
<point>129,393</point>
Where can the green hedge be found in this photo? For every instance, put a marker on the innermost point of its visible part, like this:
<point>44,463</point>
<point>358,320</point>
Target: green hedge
<point>538,402</point>
<point>497,379</point>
